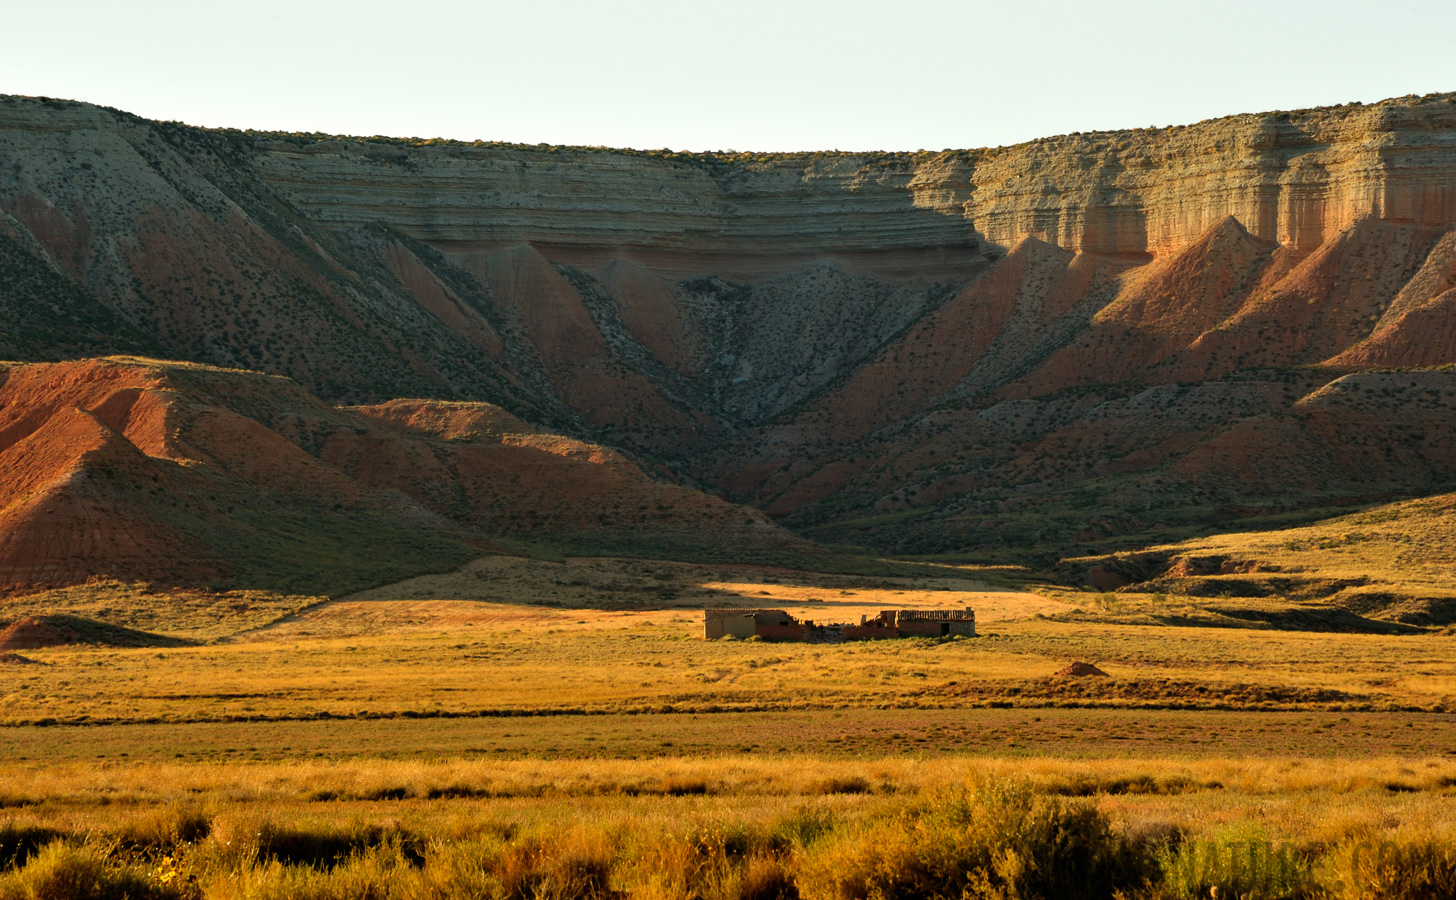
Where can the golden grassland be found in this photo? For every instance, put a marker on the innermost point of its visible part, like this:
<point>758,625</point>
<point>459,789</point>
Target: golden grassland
<point>1408,547</point>
<point>849,733</point>
<point>1189,787</point>
<point>591,582</point>
<point>189,614</point>
<point>388,658</point>
<point>683,827</point>
<point>1393,563</point>
<point>523,729</point>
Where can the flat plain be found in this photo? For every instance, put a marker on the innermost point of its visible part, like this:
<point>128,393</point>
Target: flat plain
<point>541,700</point>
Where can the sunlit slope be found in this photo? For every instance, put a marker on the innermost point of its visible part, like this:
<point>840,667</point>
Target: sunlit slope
<point>188,474</point>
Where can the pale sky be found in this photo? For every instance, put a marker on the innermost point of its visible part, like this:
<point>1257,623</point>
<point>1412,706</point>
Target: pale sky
<point>730,74</point>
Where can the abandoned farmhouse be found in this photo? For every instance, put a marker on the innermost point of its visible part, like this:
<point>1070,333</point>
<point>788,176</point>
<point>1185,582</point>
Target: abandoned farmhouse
<point>777,625</point>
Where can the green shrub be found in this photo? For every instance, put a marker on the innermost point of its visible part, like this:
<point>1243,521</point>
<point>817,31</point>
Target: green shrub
<point>1415,869</point>
<point>1239,862</point>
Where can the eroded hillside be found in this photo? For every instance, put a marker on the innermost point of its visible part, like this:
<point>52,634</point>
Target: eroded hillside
<point>184,474</point>
<point>1084,338</point>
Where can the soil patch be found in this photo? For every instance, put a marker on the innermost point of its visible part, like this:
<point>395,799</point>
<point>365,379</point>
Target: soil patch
<point>37,632</point>
<point>1081,670</point>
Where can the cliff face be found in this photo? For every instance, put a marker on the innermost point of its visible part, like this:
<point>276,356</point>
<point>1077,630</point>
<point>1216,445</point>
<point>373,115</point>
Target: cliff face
<point>701,215</point>
<point>942,349</point>
<point>1296,180</point>
<point>1291,179</point>
<point>168,231</point>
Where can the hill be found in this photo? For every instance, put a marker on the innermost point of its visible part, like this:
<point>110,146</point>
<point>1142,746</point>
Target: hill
<point>1115,337</point>
<point>187,474</point>
<point>58,630</point>
<point>1391,562</point>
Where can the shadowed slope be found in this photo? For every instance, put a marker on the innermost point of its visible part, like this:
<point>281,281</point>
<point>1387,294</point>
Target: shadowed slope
<point>482,467</point>
<point>185,474</point>
<point>58,630</point>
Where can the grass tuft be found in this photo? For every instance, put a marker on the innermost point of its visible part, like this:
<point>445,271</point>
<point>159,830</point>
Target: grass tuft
<point>839,784</point>
<point>63,871</point>
<point>1417,867</point>
<point>1236,862</point>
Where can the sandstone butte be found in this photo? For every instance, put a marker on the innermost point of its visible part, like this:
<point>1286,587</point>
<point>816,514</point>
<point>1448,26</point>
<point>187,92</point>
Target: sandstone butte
<point>1061,342</point>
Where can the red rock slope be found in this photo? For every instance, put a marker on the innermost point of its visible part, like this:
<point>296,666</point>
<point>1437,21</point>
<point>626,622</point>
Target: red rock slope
<point>189,474</point>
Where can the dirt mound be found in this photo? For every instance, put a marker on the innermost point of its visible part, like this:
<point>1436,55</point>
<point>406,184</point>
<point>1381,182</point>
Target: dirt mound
<point>39,632</point>
<point>34,632</point>
<point>1081,670</point>
<point>15,659</point>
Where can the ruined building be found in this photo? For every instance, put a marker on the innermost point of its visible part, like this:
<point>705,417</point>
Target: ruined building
<point>777,625</point>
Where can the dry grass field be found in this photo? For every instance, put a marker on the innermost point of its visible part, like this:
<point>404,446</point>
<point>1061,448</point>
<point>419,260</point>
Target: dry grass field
<point>732,827</point>
<point>1390,567</point>
<point>1406,548</point>
<point>524,729</point>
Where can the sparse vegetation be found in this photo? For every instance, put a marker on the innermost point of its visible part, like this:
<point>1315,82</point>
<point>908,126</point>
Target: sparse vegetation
<point>359,695</point>
<point>946,832</point>
<point>353,748</point>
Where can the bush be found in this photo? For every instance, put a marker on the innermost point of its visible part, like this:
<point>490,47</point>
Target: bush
<point>766,878</point>
<point>576,866</point>
<point>68,872</point>
<point>164,829</point>
<point>19,843</point>
<point>719,863</point>
<point>1239,862</point>
<point>465,868</point>
<point>798,830</point>
<point>321,846</point>
<point>997,841</point>
<point>1089,785</point>
<point>1417,869</point>
<point>376,874</point>
<point>839,784</point>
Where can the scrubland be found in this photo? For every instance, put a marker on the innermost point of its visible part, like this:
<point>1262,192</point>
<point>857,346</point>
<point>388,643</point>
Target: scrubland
<point>454,658</point>
<point>732,827</point>
<point>1384,568</point>
<point>436,739</point>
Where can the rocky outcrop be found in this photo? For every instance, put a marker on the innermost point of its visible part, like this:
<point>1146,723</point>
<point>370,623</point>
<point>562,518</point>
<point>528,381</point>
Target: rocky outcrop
<point>1066,340</point>
<point>1293,179</point>
<point>685,214</point>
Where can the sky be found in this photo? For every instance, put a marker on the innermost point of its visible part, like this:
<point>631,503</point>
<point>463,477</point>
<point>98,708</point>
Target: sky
<point>721,75</point>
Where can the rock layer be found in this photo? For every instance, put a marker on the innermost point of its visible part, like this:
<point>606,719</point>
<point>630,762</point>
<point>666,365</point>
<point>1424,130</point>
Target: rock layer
<point>1294,179</point>
<point>1084,335</point>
